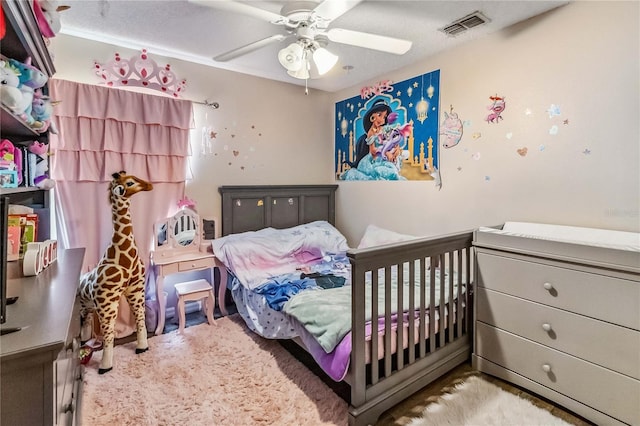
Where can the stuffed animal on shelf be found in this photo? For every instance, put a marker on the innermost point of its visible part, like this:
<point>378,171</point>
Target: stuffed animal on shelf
<point>31,78</point>
<point>10,94</point>
<point>11,158</point>
<point>41,110</point>
<point>120,272</point>
<point>47,13</point>
<point>39,165</point>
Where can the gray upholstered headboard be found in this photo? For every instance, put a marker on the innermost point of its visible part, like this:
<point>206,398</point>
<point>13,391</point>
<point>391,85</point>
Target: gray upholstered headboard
<point>250,208</point>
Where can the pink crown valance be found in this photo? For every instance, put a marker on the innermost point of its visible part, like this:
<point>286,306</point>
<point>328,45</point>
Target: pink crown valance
<point>140,71</point>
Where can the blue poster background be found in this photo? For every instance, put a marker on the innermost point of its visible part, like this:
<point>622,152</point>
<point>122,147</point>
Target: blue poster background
<point>415,101</point>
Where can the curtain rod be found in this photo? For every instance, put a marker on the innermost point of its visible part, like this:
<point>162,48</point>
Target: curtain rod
<point>213,105</point>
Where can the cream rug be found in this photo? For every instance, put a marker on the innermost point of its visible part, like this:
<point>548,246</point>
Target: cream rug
<point>216,375</point>
<point>477,402</point>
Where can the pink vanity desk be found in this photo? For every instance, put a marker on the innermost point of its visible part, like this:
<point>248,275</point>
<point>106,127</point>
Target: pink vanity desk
<point>179,247</point>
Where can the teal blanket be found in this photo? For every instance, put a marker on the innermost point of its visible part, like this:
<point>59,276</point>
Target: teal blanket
<point>326,314</point>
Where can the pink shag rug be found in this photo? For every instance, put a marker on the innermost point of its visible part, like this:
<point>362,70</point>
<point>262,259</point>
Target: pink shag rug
<point>219,375</point>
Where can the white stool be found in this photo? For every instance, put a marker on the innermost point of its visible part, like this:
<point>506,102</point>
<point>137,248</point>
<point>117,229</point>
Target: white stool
<point>195,290</point>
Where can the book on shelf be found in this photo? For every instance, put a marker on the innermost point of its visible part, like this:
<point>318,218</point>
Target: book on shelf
<point>14,233</point>
<point>25,226</point>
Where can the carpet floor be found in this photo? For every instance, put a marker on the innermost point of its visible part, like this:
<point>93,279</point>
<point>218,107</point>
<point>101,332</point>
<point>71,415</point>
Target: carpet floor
<point>222,374</point>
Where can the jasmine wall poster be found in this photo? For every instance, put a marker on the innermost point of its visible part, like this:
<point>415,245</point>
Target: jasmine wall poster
<point>389,131</point>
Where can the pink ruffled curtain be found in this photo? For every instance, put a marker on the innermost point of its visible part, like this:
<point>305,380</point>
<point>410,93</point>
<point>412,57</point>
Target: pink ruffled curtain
<point>101,131</point>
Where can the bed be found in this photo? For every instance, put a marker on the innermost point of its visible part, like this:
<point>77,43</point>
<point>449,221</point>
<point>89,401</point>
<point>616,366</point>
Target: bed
<point>558,313</point>
<point>423,314</point>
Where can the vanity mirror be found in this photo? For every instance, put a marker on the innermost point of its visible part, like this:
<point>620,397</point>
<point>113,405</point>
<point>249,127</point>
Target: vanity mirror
<point>180,230</point>
<point>185,228</point>
<point>161,234</point>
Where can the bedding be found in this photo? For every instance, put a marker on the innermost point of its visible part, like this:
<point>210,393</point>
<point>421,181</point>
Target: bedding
<point>326,315</point>
<point>277,304</point>
<point>322,318</point>
<point>255,257</point>
<point>259,317</point>
<point>262,318</point>
<point>336,362</point>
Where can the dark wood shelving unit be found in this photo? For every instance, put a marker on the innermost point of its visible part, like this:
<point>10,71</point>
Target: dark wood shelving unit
<point>41,376</point>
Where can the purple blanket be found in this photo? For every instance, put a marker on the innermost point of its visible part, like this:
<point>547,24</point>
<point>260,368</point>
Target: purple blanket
<point>336,362</point>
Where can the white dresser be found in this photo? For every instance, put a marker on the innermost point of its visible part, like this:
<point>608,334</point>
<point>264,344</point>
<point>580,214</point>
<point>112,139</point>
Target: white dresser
<point>562,321</point>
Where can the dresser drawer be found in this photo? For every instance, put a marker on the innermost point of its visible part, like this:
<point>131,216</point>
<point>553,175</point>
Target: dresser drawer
<point>191,265</point>
<point>66,370</point>
<point>612,393</point>
<point>608,345</point>
<point>606,298</point>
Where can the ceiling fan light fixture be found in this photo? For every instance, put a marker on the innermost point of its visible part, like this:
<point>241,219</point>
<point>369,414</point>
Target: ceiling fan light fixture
<point>324,60</point>
<point>291,57</point>
<point>302,73</point>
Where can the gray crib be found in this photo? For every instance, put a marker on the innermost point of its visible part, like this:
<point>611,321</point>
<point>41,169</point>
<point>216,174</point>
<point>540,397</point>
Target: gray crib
<point>435,336</point>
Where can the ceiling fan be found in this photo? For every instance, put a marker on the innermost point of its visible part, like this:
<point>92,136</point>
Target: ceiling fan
<point>308,22</point>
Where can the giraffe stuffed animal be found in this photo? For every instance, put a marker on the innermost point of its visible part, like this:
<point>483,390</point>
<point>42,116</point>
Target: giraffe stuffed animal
<point>119,272</point>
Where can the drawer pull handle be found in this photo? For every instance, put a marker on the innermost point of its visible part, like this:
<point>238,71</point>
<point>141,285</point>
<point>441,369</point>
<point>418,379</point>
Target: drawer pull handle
<point>547,286</point>
<point>546,327</point>
<point>193,265</point>
<point>546,368</point>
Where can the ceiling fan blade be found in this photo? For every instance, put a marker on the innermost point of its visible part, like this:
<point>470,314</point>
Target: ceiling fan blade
<point>370,41</point>
<point>243,8</point>
<point>329,10</point>
<point>243,50</point>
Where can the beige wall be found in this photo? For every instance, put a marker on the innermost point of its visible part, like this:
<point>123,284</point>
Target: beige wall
<point>582,57</point>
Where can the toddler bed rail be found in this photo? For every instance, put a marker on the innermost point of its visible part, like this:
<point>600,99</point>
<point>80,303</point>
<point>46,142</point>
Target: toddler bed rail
<point>433,335</point>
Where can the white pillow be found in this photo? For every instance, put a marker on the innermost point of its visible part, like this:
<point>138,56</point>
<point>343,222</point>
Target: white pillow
<point>375,236</point>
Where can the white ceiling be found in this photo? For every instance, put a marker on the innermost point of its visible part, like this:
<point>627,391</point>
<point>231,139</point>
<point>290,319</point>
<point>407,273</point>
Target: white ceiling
<point>196,33</point>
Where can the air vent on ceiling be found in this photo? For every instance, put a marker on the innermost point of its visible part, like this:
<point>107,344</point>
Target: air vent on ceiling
<point>463,24</point>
